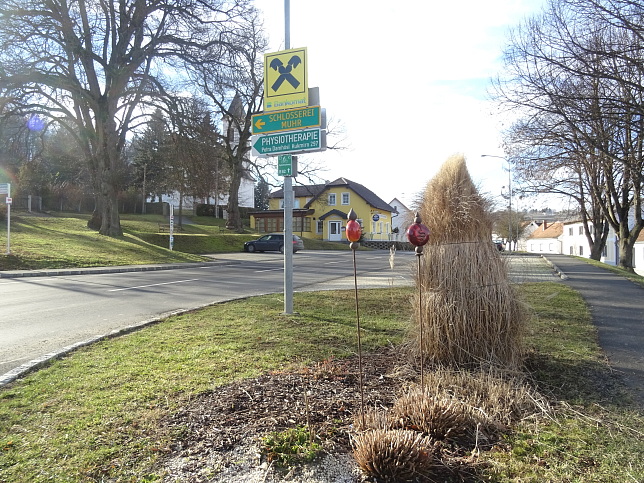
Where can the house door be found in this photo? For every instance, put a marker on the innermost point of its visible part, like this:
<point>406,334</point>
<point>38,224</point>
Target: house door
<point>335,231</point>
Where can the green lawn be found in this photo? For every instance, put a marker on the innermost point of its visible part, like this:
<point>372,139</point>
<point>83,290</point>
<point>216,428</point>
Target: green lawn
<point>64,241</point>
<point>96,414</point>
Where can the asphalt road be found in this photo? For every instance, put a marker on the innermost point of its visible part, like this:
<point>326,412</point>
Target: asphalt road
<point>43,315</point>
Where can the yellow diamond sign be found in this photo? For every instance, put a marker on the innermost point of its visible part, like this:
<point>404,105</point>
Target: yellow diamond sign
<point>285,80</point>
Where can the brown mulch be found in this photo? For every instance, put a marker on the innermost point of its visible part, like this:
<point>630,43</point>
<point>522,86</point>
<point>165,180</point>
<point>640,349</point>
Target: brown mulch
<point>326,397</point>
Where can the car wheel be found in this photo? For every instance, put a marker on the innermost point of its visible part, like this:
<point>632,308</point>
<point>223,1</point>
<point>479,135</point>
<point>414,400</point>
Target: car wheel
<point>281,248</point>
<point>251,248</point>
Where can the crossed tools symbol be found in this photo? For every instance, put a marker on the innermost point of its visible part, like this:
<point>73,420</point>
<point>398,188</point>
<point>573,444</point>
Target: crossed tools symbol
<point>285,72</point>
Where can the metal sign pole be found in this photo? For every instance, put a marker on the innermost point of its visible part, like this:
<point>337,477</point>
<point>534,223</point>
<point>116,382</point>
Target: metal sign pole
<point>9,219</point>
<point>171,226</point>
<point>288,198</point>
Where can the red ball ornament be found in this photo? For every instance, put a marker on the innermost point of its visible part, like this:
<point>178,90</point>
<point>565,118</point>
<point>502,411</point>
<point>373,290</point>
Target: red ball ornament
<point>418,234</point>
<point>353,231</point>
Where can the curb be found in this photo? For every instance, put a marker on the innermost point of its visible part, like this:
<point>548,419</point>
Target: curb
<point>556,269</point>
<point>115,269</point>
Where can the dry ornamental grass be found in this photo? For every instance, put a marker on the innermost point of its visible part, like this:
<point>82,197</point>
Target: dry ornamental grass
<point>470,313</point>
<point>394,455</point>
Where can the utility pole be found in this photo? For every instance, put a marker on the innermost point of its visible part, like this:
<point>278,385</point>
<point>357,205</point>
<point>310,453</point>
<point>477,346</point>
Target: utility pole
<point>509,196</point>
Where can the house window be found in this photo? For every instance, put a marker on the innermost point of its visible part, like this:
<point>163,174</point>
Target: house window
<point>581,251</point>
<point>572,250</point>
<point>345,198</point>
<point>301,224</point>
<point>320,227</point>
<point>331,199</point>
<point>296,202</point>
<point>581,230</point>
<point>570,232</point>
<point>605,251</point>
<point>268,225</point>
<point>550,247</point>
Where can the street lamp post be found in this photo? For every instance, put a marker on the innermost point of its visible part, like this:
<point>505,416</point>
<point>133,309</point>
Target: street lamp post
<point>509,196</point>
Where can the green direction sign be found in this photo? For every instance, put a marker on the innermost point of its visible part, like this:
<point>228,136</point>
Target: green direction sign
<point>288,120</point>
<point>289,142</point>
<point>285,165</point>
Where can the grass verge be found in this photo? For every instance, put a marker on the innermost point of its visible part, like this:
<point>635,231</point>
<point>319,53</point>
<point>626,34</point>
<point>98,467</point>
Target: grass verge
<point>64,241</point>
<point>596,433</point>
<point>95,415</point>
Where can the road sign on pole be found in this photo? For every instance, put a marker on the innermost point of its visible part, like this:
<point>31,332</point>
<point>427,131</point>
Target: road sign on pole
<point>288,120</point>
<point>286,165</point>
<point>285,80</point>
<point>291,142</point>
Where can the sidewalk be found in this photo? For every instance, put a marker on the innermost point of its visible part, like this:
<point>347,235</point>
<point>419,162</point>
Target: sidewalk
<point>617,308</point>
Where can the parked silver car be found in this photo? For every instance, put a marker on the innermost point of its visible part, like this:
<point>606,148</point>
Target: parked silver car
<point>272,242</point>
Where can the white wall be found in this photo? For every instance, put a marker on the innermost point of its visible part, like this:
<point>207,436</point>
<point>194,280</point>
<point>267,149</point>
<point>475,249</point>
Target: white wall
<point>574,242</point>
<point>402,220</point>
<point>638,258</point>
<point>544,245</point>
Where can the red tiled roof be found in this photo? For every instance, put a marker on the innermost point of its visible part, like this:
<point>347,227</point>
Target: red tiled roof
<point>552,231</point>
<point>640,238</point>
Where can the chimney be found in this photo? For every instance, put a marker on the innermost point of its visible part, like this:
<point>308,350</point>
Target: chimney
<point>544,225</point>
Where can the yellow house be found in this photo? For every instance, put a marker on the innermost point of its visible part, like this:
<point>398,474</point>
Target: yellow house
<point>320,211</point>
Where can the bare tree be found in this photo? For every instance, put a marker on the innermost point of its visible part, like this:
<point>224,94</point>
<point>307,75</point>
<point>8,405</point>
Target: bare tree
<point>90,65</point>
<point>231,79</point>
<point>574,75</point>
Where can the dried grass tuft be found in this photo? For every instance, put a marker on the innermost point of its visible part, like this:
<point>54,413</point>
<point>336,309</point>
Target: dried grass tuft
<point>442,418</point>
<point>497,399</point>
<point>394,455</point>
<point>470,313</point>
<point>373,419</point>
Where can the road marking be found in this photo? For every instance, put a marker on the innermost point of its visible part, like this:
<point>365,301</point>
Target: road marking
<point>151,285</point>
<point>269,270</point>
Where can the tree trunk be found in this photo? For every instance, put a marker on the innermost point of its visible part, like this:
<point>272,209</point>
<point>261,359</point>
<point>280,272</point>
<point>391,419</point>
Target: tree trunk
<point>234,218</point>
<point>626,253</point>
<point>106,215</point>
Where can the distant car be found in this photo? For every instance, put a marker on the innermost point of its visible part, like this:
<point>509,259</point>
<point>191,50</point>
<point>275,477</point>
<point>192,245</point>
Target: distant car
<point>499,245</point>
<point>272,242</point>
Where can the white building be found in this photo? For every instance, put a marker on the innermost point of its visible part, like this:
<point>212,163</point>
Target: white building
<point>401,218</point>
<point>638,254</point>
<point>568,238</point>
<point>574,242</point>
<point>546,239</point>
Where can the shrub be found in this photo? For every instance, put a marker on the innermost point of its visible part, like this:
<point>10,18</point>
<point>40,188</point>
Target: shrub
<point>209,210</point>
<point>394,455</point>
